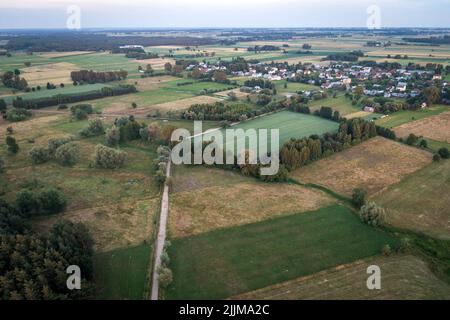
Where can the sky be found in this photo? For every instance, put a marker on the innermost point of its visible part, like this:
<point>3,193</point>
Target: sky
<point>223,13</point>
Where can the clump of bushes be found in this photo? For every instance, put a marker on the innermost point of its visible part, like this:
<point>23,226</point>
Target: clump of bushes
<point>13,147</point>
<point>81,111</point>
<point>372,214</point>
<point>46,201</point>
<point>444,153</point>
<point>55,143</point>
<point>94,128</point>
<point>109,158</point>
<point>359,197</point>
<point>66,155</point>
<point>17,114</point>
<point>39,155</point>
<point>2,165</point>
<point>113,136</point>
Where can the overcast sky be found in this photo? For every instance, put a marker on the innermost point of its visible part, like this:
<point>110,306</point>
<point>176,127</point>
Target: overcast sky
<point>223,13</point>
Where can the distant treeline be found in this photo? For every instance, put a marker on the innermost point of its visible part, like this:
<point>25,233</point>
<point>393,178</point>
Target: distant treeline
<point>345,56</point>
<point>431,40</point>
<point>69,41</point>
<point>90,76</point>
<point>263,48</point>
<point>71,98</point>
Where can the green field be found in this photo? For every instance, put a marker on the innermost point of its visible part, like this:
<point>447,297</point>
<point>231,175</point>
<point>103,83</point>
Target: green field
<point>401,117</point>
<point>418,202</point>
<point>43,93</point>
<point>340,103</point>
<point>290,124</point>
<point>226,262</point>
<point>122,273</point>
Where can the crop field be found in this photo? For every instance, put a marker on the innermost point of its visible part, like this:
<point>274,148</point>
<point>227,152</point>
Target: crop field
<point>227,262</point>
<point>349,282</point>
<point>434,127</point>
<point>206,199</point>
<point>418,202</point>
<point>54,73</point>
<point>122,273</point>
<point>290,125</point>
<point>401,117</point>
<point>373,165</point>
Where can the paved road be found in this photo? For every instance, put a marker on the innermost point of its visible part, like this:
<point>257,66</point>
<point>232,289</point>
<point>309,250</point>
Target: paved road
<point>161,239</point>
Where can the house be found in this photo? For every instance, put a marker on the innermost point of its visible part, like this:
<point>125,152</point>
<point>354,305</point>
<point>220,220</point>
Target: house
<point>437,77</point>
<point>401,86</point>
<point>424,105</point>
<point>369,109</point>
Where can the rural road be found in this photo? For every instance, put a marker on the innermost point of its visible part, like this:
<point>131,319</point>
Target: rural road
<point>161,239</point>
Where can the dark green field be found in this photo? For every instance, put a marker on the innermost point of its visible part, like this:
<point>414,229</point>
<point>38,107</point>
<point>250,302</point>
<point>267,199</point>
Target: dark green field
<point>122,273</point>
<point>227,262</point>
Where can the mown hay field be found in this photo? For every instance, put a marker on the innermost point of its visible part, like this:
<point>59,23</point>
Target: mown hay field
<point>404,277</point>
<point>372,165</point>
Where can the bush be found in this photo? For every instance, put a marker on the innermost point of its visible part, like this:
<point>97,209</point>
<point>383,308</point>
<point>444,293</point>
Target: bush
<point>113,136</point>
<point>94,128</point>
<point>412,139</point>
<point>160,176</point>
<point>444,153</point>
<point>2,165</point>
<point>54,144</point>
<point>62,107</point>
<point>16,114</point>
<point>436,157</point>
<point>387,250</point>
<point>84,107</point>
<point>423,143</point>
<point>13,147</point>
<point>51,201</point>
<point>80,114</point>
<point>66,154</point>
<point>27,202</point>
<point>359,197</point>
<point>372,214</point>
<point>109,158</point>
<point>39,155</point>
<point>165,277</point>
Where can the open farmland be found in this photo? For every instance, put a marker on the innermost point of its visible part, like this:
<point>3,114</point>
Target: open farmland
<point>435,127</point>
<point>373,165</point>
<point>419,201</point>
<point>340,103</point>
<point>349,282</point>
<point>207,199</point>
<point>290,124</point>
<point>401,117</point>
<point>54,73</point>
<point>227,262</point>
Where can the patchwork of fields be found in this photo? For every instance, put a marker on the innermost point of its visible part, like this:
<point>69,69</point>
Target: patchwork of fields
<point>226,262</point>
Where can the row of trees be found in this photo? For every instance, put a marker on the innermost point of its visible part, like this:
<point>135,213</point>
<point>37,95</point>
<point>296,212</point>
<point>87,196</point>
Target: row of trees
<point>299,152</point>
<point>72,98</point>
<point>90,76</point>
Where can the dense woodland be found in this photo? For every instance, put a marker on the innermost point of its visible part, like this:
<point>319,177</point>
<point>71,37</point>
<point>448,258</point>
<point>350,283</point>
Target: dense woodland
<point>90,76</point>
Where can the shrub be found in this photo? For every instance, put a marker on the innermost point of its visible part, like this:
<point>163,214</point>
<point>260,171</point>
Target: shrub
<point>372,214</point>
<point>80,114</point>
<point>2,165</point>
<point>412,139</point>
<point>113,136</point>
<point>94,128</point>
<point>436,157</point>
<point>84,107</point>
<point>55,143</point>
<point>66,154</point>
<point>160,176</point>
<point>39,155</point>
<point>62,107</point>
<point>17,114</point>
<point>27,202</point>
<point>13,147</point>
<point>165,277</point>
<point>387,250</point>
<point>359,197</point>
<point>423,143</point>
<point>51,201</point>
<point>109,158</point>
<point>444,153</point>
